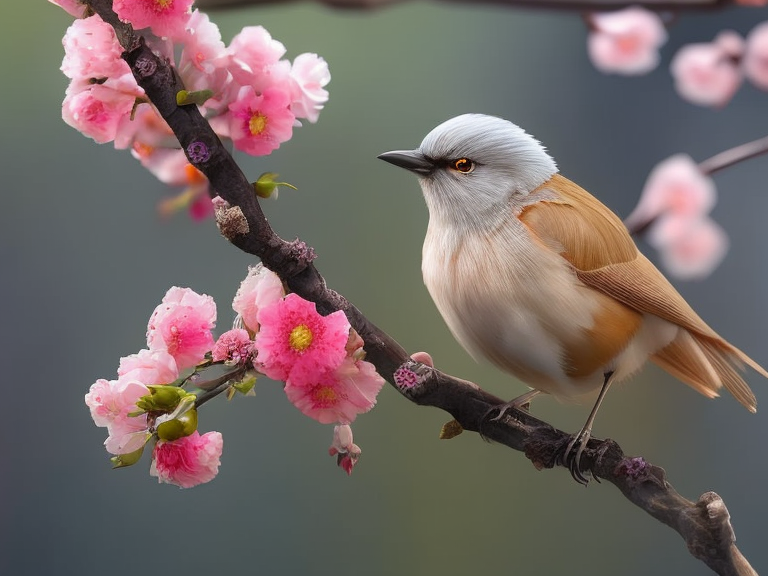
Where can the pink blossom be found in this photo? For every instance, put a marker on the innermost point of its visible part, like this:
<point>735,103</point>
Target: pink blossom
<point>98,112</point>
<point>73,7</point>
<point>92,52</point>
<point>689,247</point>
<point>296,342</point>
<point>756,56</point>
<point>164,17</point>
<point>111,400</point>
<point>708,74</point>
<point>234,347</point>
<point>188,461</point>
<point>255,48</point>
<point>310,74</point>
<point>347,453</point>
<point>149,367</point>
<point>204,60</point>
<point>675,186</point>
<point>127,435</point>
<point>626,41</point>
<point>259,123</point>
<point>260,288</point>
<point>182,325</point>
<point>336,395</point>
<point>110,403</point>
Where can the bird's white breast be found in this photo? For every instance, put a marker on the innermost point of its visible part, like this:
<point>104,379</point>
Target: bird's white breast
<point>513,306</point>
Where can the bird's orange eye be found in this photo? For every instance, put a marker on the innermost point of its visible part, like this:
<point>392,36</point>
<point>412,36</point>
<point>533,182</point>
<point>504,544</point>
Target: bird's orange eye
<point>463,165</point>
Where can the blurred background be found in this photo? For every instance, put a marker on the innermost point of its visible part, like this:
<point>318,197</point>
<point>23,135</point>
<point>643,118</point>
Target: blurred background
<point>86,258</point>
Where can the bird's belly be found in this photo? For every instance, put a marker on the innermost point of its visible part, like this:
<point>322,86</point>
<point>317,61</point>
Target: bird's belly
<point>527,312</point>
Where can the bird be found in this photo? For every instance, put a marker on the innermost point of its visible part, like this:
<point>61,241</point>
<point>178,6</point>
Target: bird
<point>537,276</point>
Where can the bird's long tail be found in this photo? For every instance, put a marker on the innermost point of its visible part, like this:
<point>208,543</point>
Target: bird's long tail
<point>707,364</point>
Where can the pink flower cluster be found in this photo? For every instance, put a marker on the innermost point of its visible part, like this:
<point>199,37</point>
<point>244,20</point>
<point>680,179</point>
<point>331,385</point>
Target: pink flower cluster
<point>709,74</point>
<point>256,96</point>
<point>178,337</point>
<point>625,41</point>
<point>675,206</point>
<point>318,357</point>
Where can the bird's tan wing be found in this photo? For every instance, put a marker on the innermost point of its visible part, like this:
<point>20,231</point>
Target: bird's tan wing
<point>605,258</point>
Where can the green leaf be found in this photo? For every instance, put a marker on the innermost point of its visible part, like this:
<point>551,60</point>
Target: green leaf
<point>123,460</point>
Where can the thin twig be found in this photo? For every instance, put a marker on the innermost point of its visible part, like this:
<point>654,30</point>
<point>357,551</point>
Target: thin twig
<point>705,525</point>
<point>734,156</point>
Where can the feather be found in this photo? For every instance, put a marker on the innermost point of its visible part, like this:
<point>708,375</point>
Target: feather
<point>604,258</point>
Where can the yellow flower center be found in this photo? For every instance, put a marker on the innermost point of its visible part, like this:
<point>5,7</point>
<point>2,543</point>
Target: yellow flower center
<point>324,395</point>
<point>257,123</point>
<point>163,4</point>
<point>300,338</point>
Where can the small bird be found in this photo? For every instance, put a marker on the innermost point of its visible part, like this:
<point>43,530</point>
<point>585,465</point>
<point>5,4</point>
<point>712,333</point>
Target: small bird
<point>536,275</point>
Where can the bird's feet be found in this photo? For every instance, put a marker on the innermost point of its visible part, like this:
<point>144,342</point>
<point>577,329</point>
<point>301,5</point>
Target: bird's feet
<point>571,456</point>
<point>522,402</point>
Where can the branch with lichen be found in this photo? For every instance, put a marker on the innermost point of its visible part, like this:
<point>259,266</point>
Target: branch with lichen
<point>574,5</point>
<point>704,525</point>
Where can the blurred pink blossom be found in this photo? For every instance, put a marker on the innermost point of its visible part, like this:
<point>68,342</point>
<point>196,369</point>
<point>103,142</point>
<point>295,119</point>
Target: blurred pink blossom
<point>709,74</point>
<point>295,342</point>
<point>166,18</point>
<point>756,56</point>
<point>690,247</point>
<point>675,186</point>
<point>260,288</point>
<point>626,41</point>
<point>182,325</point>
<point>188,461</point>
<point>234,346</point>
<point>149,367</point>
<point>259,123</point>
<point>310,74</point>
<point>336,395</point>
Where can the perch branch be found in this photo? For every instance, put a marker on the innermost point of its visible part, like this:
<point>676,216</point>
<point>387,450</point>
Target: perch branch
<point>704,525</point>
<point>575,5</point>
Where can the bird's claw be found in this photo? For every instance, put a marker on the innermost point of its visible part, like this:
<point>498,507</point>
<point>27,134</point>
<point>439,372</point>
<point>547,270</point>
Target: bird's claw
<point>572,460</point>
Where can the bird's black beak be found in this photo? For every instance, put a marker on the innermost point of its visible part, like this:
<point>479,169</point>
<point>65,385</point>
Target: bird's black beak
<point>412,160</point>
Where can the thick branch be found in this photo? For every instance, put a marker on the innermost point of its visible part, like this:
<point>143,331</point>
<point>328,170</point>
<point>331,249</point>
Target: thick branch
<point>575,5</point>
<point>704,525</point>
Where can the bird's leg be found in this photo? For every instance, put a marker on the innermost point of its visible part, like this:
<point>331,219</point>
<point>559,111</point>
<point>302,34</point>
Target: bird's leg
<point>568,458</point>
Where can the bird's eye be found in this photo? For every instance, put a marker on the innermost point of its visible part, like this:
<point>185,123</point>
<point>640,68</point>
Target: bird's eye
<point>463,165</point>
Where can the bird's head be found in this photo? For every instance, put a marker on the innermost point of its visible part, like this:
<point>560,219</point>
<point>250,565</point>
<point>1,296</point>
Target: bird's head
<point>472,164</point>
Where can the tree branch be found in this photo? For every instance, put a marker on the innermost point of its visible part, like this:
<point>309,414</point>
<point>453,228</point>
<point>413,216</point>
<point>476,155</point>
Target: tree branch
<point>575,5</point>
<point>734,155</point>
<point>705,525</point>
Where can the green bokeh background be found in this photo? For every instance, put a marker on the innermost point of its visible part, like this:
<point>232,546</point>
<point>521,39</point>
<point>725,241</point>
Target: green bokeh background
<point>85,259</point>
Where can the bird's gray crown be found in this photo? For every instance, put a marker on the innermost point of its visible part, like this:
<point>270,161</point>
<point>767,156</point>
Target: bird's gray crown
<point>494,142</point>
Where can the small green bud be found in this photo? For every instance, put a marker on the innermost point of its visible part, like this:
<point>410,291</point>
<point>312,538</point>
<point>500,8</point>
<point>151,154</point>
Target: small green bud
<point>199,97</point>
<point>179,427</point>
<point>267,185</point>
<point>161,398</point>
